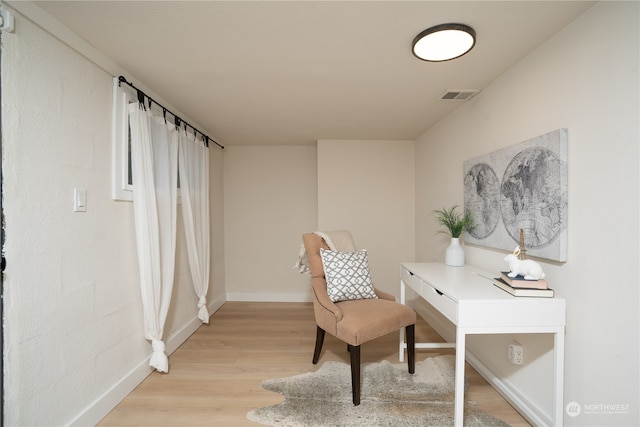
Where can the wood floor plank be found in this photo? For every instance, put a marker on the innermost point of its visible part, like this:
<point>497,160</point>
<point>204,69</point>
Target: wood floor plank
<point>215,376</point>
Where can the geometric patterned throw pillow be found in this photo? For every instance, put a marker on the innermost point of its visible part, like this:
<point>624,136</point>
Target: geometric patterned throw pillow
<point>347,275</point>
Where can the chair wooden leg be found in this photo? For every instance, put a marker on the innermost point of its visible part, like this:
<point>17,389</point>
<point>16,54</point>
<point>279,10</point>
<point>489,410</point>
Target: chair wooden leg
<point>410,332</point>
<point>319,342</point>
<point>354,352</point>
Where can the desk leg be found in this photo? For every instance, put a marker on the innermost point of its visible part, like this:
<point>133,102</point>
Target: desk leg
<point>458,415</point>
<point>558,345</point>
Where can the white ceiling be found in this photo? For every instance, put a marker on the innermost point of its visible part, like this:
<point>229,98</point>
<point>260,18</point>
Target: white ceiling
<point>293,72</point>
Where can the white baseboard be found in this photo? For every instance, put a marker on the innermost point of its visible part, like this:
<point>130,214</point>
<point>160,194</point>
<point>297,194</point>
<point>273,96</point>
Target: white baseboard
<point>524,406</point>
<point>97,410</point>
<point>268,297</point>
<point>531,412</point>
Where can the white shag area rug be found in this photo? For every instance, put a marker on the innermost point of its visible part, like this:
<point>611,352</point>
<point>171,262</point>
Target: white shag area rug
<point>390,396</point>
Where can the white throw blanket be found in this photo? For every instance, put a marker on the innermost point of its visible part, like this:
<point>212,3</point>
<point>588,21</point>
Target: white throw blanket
<point>338,240</point>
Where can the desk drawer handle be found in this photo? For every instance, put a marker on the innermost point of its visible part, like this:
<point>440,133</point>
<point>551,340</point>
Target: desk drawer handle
<point>437,291</point>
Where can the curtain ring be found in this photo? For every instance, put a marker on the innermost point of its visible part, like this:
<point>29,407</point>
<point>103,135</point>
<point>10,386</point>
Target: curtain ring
<point>141,98</point>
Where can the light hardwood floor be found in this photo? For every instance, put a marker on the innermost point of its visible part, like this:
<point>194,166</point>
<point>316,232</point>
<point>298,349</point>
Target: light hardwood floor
<point>214,377</point>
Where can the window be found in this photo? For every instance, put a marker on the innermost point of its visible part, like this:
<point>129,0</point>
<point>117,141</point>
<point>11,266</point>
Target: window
<point>121,175</point>
<point>121,178</point>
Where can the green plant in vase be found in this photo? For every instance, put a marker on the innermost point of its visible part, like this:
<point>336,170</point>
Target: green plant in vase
<point>455,224</point>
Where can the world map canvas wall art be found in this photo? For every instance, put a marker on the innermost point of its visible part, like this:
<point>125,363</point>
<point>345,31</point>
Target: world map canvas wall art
<point>523,186</point>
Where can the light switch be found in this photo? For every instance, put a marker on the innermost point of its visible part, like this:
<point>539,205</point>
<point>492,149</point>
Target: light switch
<point>79,200</point>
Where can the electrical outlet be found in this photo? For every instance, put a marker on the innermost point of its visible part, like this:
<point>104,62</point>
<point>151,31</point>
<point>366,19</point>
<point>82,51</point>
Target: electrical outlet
<point>515,353</point>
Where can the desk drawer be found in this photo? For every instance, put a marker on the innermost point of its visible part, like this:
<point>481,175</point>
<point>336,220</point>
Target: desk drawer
<point>442,303</point>
<point>411,280</point>
<point>437,299</point>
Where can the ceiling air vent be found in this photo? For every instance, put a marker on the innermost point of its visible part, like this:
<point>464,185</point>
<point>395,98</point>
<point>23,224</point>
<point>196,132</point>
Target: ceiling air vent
<point>458,95</point>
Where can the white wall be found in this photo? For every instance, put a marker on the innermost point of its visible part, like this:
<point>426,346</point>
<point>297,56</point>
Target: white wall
<point>74,341</point>
<point>275,194</point>
<point>367,187</point>
<point>269,202</point>
<point>584,79</point>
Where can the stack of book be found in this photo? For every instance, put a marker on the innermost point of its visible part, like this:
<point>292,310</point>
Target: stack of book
<point>521,287</point>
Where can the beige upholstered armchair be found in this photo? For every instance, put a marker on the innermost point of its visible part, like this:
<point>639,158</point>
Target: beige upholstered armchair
<point>354,321</point>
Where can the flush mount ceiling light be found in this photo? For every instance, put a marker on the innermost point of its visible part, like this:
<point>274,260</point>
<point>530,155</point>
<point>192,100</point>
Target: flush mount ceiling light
<point>444,42</point>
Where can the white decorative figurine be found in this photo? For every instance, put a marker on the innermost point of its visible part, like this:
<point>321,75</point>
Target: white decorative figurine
<point>530,269</point>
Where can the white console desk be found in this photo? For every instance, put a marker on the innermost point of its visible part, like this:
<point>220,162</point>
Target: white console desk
<point>467,297</point>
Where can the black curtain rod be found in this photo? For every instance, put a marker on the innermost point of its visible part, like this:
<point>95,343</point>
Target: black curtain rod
<point>178,120</point>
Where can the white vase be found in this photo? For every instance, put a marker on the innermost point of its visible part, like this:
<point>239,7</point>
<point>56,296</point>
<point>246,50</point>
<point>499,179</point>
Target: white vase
<point>454,256</point>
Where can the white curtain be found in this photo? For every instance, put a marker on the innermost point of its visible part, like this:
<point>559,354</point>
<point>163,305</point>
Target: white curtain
<point>194,190</point>
<point>154,152</point>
